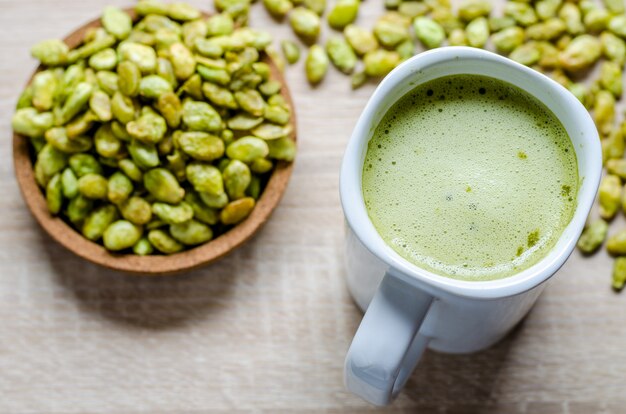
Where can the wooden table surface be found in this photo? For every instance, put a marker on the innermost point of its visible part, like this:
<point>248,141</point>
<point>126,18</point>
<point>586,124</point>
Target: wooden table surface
<point>267,328</point>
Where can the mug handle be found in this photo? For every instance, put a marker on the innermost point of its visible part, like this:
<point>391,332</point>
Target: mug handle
<point>387,346</point>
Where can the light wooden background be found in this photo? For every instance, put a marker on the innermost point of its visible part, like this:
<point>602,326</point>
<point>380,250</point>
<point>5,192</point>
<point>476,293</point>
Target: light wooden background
<point>267,328</point>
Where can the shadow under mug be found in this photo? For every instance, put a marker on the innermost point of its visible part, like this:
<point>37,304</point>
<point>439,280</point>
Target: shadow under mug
<point>409,308</point>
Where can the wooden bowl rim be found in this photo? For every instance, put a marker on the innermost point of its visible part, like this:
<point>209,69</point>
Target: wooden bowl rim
<point>72,240</point>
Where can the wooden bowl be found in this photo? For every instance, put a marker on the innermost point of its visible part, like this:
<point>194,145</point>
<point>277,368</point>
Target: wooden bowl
<point>67,236</point>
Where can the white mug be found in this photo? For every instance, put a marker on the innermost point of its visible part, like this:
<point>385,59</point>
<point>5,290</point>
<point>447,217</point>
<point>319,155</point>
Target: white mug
<point>409,308</point>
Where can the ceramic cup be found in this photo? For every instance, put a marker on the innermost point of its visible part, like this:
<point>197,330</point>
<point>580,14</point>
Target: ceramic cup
<point>410,309</point>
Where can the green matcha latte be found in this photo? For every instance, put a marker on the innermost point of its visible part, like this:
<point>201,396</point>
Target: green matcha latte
<point>470,177</point>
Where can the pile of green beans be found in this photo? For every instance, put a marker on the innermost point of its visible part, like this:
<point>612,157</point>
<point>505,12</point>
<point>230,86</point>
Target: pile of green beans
<point>156,136</point>
<point>564,39</point>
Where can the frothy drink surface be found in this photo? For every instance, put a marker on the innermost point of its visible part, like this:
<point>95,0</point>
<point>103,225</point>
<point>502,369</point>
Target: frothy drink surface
<point>470,177</point>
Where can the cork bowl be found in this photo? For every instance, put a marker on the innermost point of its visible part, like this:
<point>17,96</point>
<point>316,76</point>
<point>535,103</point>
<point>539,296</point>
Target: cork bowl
<point>71,239</point>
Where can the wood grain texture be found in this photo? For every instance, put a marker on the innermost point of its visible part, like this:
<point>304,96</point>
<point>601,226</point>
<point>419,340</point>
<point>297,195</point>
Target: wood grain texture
<point>264,330</point>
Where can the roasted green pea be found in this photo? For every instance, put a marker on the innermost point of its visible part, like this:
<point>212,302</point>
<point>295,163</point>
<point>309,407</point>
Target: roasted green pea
<point>163,186</point>
<point>570,14</point>
<point>237,211</point>
<point>164,243</point>
<point>277,114</point>
<point>343,13</point>
<point>261,166</point>
<point>136,210</point>
<point>182,60</point>
<point>247,149</point>
<point>613,145</point>
<point>121,235</point>
<point>596,20</point>
<point>193,30</point>
<point>614,6</point>
<point>86,50</point>
<point>613,47</point>
<point>549,55</point>
<point>391,29</point>
<point>616,244</point>
<point>244,122</point>
<point>170,107</point>
<point>508,39</point>
<point>471,9</point>
<point>143,154</point>
<point>341,54</point>
<point>79,208</point>
<point>201,211</point>
<point>57,137</point>
<point>154,86</point>
<point>129,78</point>
<point>93,186</point>
<point>219,25</point>
<point>283,149</point>
<point>123,108</point>
<point>305,23</point>
<point>205,178</point>
<point>100,104</point>
<point>278,8</point>
<point>145,7</point>
<point>360,39</point>
<point>237,178</point>
<point>619,273</point>
<point>611,77</point>
<point>51,52</point>
<point>148,128</point>
<point>477,32</point>
<point>523,13</point>
<point>579,90</point>
<point>219,96</point>
<point>548,30</point>
<point>380,62</point>
<point>291,50</point>
<point>270,88</point>
<point>412,9</point>
<point>45,85</point>
<point>191,233</point>
<point>582,52</point>
<point>54,194</point>
<point>316,64</point>
<point>98,221</point>
<point>143,56</point>
<point>83,164</point>
<point>29,122</point>
<point>268,131</point>
<point>604,111</point>
<point>166,71</point>
<point>457,37</point>
<point>143,247</point>
<point>617,167</point>
<point>107,81</point>
<point>499,23</point>
<point>201,146</point>
<point>610,193</point>
<point>547,9</point>
<point>429,32</point>
<point>214,201</point>
<point>183,12</point>
<point>119,188</point>
<point>117,22</point>
<point>173,214</point>
<point>251,101</point>
<point>617,25</point>
<point>593,236</point>
<point>104,60</point>
<point>130,169</point>
<point>200,116</point>
<point>69,183</point>
<point>76,102</point>
<point>318,6</point>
